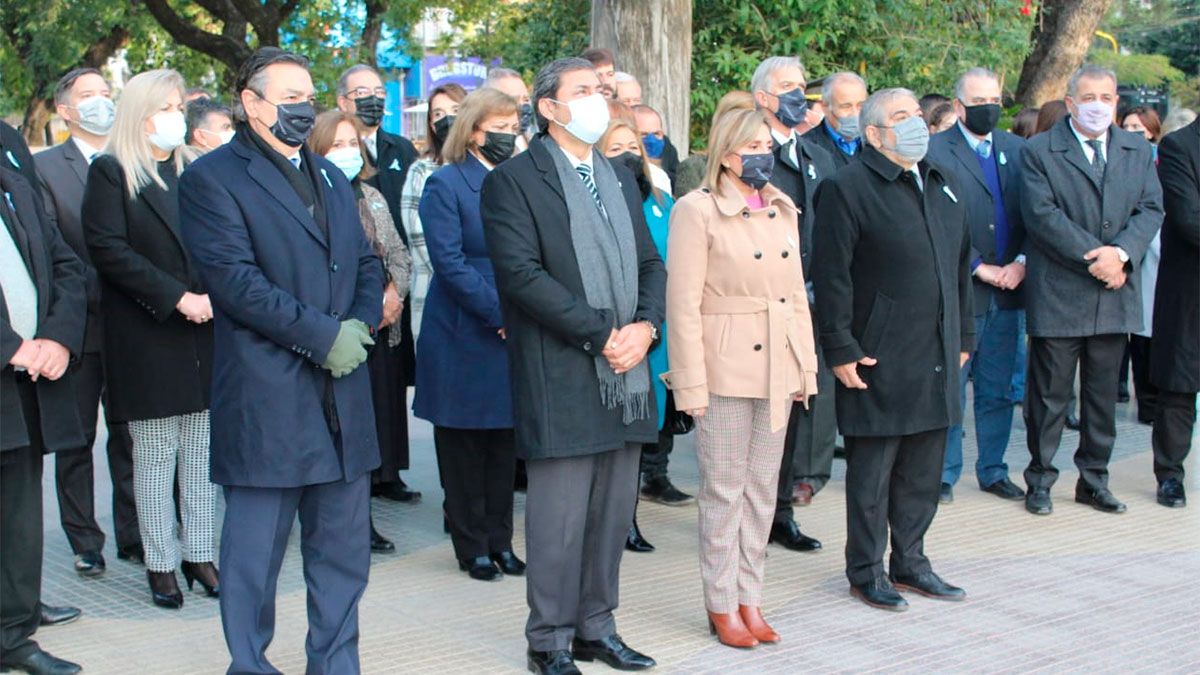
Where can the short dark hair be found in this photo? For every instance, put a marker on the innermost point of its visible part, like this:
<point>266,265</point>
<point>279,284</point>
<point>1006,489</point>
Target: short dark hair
<point>251,73</point>
<point>549,79</point>
<point>62,90</point>
<point>599,56</point>
<point>929,102</point>
<point>197,113</point>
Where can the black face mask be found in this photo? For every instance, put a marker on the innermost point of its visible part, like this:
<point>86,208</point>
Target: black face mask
<point>526,113</point>
<point>792,108</point>
<point>441,128</point>
<point>981,119</point>
<point>497,146</point>
<point>369,110</point>
<point>631,161</point>
<point>757,169</point>
<point>294,122</point>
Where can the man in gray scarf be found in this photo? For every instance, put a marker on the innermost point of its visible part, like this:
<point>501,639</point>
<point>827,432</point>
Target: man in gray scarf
<point>582,290</point>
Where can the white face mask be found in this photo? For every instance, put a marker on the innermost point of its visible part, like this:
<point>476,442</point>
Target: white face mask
<point>589,118</point>
<point>349,160</point>
<point>96,115</point>
<point>170,129</point>
<point>223,137</point>
<point>1095,116</point>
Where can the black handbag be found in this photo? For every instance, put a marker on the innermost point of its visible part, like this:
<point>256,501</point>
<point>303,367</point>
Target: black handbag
<point>675,422</point>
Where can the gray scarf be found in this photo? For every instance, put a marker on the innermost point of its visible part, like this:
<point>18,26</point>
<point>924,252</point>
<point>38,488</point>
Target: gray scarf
<point>608,263</point>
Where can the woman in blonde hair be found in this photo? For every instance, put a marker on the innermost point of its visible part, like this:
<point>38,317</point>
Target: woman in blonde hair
<point>741,344</point>
<point>462,380</point>
<point>157,335</point>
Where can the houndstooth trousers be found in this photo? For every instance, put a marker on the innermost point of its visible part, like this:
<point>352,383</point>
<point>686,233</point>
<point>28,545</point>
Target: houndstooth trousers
<point>739,458</point>
<point>164,449</point>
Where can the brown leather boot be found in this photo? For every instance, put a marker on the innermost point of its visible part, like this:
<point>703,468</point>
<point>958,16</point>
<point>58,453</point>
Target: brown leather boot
<point>730,630</point>
<point>752,617</point>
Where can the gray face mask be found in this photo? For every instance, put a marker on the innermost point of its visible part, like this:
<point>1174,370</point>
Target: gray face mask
<point>96,115</point>
<point>912,139</point>
<point>847,127</point>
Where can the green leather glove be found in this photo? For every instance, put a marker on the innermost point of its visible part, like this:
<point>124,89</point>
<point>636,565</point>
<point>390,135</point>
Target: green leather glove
<point>349,348</point>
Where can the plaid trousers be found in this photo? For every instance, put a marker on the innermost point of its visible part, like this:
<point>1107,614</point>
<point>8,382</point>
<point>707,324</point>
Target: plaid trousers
<point>739,458</point>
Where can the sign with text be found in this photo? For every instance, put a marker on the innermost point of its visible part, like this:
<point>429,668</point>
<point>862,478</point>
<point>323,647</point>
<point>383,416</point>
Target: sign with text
<point>469,72</point>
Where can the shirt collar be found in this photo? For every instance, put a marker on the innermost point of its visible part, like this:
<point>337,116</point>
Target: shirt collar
<point>972,139</point>
<point>86,149</point>
<point>848,146</point>
<point>780,138</point>
<point>1083,140</point>
<point>575,161</point>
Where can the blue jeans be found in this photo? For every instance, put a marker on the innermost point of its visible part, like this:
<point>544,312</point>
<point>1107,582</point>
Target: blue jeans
<point>991,367</point>
<point>1018,378</point>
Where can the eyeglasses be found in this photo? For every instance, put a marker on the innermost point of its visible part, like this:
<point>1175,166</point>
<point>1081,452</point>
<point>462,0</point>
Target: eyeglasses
<point>363,92</point>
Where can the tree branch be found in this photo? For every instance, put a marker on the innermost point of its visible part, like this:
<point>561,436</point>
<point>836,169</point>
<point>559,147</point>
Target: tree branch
<point>223,48</point>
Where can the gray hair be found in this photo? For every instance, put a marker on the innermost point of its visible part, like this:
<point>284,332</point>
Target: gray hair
<point>835,79</point>
<point>625,77</point>
<point>961,85</point>
<point>764,74</point>
<point>499,73</point>
<point>342,88</point>
<point>1177,119</point>
<point>549,79</point>
<point>1089,71</point>
<point>874,110</point>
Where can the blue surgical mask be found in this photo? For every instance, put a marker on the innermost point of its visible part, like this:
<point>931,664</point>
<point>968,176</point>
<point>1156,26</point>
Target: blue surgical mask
<point>348,160</point>
<point>792,108</point>
<point>654,145</point>
<point>96,115</point>
<point>847,127</point>
<point>912,139</point>
<point>757,169</point>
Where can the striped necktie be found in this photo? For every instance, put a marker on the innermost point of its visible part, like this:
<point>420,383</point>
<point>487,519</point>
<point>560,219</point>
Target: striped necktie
<point>585,172</point>
<point>1098,162</point>
<point>984,149</point>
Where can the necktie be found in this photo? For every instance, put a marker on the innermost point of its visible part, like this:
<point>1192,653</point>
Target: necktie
<point>92,157</point>
<point>295,161</point>
<point>370,141</point>
<point>585,172</point>
<point>788,153</point>
<point>984,149</point>
<point>1098,162</point>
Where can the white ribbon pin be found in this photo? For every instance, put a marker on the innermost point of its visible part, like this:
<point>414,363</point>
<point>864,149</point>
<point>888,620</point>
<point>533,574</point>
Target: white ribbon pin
<point>1003,159</point>
<point>12,159</point>
<point>395,165</point>
<point>812,173</point>
<point>946,189</point>
<point>327,181</point>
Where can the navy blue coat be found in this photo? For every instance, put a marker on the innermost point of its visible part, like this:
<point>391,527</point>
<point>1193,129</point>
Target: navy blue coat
<point>279,288</point>
<point>462,368</point>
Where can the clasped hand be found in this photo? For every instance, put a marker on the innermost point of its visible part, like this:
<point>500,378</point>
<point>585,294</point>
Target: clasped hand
<point>349,348</point>
<point>1006,277</point>
<point>1106,266</point>
<point>195,307</point>
<point>41,358</point>
<point>627,347</point>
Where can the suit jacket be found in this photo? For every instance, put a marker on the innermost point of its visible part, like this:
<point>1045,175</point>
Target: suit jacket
<point>62,174</point>
<point>893,281</point>
<point>157,363</point>
<point>58,277</point>
<point>280,288</point>
<point>554,336</point>
<point>14,153</point>
<point>800,185</point>
<point>951,150</point>
<point>819,137</point>
<point>1175,350</point>
<point>1067,212</point>
<point>462,373</point>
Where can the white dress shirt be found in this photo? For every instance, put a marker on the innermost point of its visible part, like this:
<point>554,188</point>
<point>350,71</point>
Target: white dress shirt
<point>89,153</point>
<point>1087,149</point>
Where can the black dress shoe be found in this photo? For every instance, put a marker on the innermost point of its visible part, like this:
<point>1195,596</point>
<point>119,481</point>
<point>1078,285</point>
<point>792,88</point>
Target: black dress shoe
<point>613,651</point>
<point>946,494</point>
<point>635,542</point>
<point>660,490</point>
<point>509,563</point>
<point>789,536</point>
<point>1006,489</point>
<point>164,589</point>
<point>1037,501</point>
<point>880,594</point>
<point>481,568</point>
<point>89,564</point>
<point>395,491</point>
<point>39,662</point>
<point>380,543</point>
<point>1072,422</point>
<point>1101,500</point>
<point>929,585</point>
<point>133,553</point>
<point>1171,494</point>
<point>557,662</point>
<point>57,616</point>
<point>204,572</point>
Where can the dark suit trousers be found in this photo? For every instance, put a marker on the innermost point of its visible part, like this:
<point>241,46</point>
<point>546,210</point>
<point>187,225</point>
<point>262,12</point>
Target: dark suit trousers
<point>577,513</point>
<point>1175,418</point>
<point>335,541</point>
<point>477,468</point>
<point>809,443</point>
<point>655,456</point>
<point>1047,393</point>
<point>74,474</point>
<point>891,482</point>
<point>21,535</point>
<point>1146,393</point>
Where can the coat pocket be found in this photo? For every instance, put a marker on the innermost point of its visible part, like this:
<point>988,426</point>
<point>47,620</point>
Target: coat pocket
<point>877,323</point>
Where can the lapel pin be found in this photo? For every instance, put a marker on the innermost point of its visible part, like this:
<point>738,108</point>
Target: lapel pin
<point>946,189</point>
<point>395,165</point>
<point>812,172</point>
<point>1003,159</point>
<point>12,159</point>
<point>327,181</point>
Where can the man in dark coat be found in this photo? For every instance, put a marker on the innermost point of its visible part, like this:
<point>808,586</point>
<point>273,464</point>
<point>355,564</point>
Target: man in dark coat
<point>15,154</point>
<point>62,172</point>
<point>1091,203</point>
<point>893,284</point>
<point>839,134</point>
<point>1175,347</point>
<point>799,168</point>
<point>582,289</point>
<point>986,164</point>
<point>360,92</point>
<point>42,312</point>
<point>275,232</point>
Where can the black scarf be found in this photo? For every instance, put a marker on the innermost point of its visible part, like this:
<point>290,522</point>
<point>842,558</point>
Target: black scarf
<point>307,182</point>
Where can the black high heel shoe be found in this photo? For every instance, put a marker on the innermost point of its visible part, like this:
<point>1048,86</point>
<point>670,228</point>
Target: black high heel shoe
<point>164,590</point>
<point>206,574</point>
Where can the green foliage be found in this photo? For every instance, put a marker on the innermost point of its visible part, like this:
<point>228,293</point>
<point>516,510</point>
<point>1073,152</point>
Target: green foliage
<point>1167,27</point>
<point>1146,70</point>
<point>527,34</point>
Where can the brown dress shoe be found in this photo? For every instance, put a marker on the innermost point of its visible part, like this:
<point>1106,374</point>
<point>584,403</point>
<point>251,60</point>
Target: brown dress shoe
<point>802,494</point>
<point>757,625</point>
<point>731,631</point>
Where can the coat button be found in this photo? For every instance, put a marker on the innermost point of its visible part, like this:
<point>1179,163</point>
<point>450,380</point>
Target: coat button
<point>785,254</point>
<point>333,267</point>
<point>771,214</point>
<point>758,348</point>
<point>757,255</point>
<point>336,315</point>
<point>587,346</point>
<point>783,300</point>
<point>746,215</point>
<point>937,369</point>
<point>1107,224</point>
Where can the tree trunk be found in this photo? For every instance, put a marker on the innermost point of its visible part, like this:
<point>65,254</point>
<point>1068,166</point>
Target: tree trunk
<point>652,40</point>
<point>1061,37</point>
